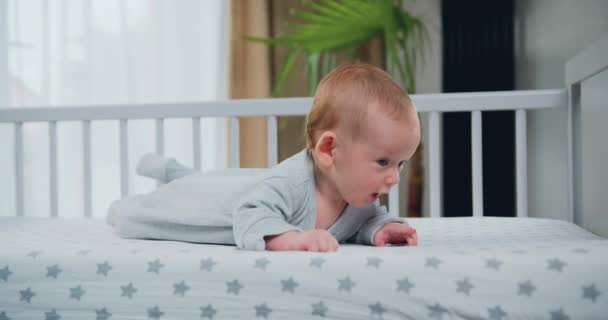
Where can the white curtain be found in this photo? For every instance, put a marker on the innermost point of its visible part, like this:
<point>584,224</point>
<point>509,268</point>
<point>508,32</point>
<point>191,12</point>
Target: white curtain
<point>84,52</point>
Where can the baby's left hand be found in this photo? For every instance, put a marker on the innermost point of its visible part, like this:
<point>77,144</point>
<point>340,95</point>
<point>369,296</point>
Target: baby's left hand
<point>396,233</point>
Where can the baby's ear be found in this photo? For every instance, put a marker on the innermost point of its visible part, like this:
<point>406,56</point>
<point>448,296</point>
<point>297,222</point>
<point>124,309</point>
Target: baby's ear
<point>325,148</point>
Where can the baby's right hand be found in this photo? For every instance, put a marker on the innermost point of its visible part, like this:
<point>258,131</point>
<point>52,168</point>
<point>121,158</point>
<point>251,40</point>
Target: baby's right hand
<point>317,240</point>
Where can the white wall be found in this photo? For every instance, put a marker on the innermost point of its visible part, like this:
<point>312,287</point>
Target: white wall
<point>551,32</point>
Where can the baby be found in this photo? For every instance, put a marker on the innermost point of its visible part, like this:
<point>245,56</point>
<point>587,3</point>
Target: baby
<point>360,132</point>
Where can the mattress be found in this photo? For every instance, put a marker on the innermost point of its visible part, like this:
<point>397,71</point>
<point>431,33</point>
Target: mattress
<point>463,268</point>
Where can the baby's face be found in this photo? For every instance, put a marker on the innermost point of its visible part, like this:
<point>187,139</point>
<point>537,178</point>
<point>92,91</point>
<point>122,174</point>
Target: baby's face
<point>369,167</point>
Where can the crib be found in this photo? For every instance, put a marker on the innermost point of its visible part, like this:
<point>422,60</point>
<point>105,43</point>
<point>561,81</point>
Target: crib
<point>477,267</point>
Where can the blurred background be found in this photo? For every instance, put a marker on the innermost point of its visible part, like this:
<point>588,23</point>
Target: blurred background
<point>85,52</point>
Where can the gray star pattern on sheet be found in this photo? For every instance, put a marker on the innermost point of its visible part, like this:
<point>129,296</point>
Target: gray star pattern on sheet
<point>289,285</point>
<point>155,313</point>
<point>493,263</point>
<point>319,309</point>
<point>526,288</point>
<point>207,264</point>
<point>52,315</point>
<point>559,315</point>
<point>376,308</point>
<point>433,262</point>
<point>128,291</point>
<point>556,264</point>
<point>34,254</point>
<point>464,286</point>
<point>262,310</point>
<point>591,293</point>
<point>208,312</point>
<point>404,285</point>
<point>102,314</point>
<point>496,313</point>
<point>345,284</point>
<point>53,271</point>
<point>374,261</point>
<point>437,311</point>
<point>77,292</point>
<point>180,288</point>
<point>317,262</point>
<point>261,263</point>
<point>103,268</point>
<point>26,295</point>
<point>4,273</point>
<point>154,266</point>
<point>234,286</point>
<point>3,316</point>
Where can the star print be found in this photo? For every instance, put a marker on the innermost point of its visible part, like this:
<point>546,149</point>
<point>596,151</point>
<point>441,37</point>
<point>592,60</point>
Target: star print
<point>4,273</point>
<point>53,315</point>
<point>262,310</point>
<point>317,262</point>
<point>180,288</point>
<point>234,286</point>
<point>437,311</point>
<point>289,285</point>
<point>155,313</point>
<point>493,263</point>
<point>496,313</point>
<point>154,266</point>
<point>53,271</point>
<point>433,262</point>
<point>345,284</point>
<point>590,293</point>
<point>26,295</point>
<point>207,264</point>
<point>377,309</point>
<point>102,314</point>
<point>128,290</point>
<point>83,252</point>
<point>208,312</point>
<point>261,263</point>
<point>374,261</point>
<point>559,315</point>
<point>103,268</point>
<point>526,288</point>
<point>34,254</point>
<point>319,309</point>
<point>3,316</point>
<point>404,285</point>
<point>556,264</point>
<point>464,286</point>
<point>76,293</point>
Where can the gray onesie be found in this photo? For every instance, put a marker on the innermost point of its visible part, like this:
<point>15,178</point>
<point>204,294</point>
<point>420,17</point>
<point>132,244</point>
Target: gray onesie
<point>239,206</point>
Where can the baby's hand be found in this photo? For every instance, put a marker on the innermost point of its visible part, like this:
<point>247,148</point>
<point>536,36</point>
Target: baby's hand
<point>396,233</point>
<point>317,240</point>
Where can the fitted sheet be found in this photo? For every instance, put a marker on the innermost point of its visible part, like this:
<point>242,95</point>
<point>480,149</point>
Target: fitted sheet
<point>463,268</point>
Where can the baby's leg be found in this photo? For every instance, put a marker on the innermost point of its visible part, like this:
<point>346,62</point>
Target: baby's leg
<point>162,169</point>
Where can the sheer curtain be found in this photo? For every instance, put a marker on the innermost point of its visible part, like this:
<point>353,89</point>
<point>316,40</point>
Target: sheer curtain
<point>84,52</point>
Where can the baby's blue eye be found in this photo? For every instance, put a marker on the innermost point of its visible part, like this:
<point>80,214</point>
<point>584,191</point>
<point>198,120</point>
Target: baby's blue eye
<point>382,162</point>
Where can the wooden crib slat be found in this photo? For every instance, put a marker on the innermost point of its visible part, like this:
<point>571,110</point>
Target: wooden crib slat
<point>521,165</point>
<point>160,136</point>
<point>196,142</point>
<point>235,143</point>
<point>124,159</point>
<point>477,163</point>
<point>434,166</point>
<point>53,189</point>
<point>272,134</point>
<point>87,173</point>
<point>19,168</point>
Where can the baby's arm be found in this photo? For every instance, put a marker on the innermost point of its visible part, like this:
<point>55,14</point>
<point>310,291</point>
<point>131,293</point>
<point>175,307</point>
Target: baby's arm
<point>317,240</point>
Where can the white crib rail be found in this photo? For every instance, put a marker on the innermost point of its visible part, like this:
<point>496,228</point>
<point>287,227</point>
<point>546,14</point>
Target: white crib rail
<point>434,104</point>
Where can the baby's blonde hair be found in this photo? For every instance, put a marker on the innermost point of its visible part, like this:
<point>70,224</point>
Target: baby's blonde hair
<point>346,95</point>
